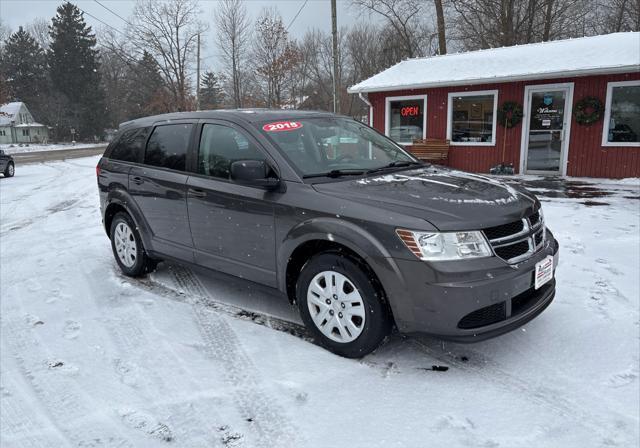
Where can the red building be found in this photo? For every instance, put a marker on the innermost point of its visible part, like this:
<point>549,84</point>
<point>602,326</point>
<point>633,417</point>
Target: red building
<point>578,99</point>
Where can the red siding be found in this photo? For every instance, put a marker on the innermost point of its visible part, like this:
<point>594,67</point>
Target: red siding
<point>587,157</point>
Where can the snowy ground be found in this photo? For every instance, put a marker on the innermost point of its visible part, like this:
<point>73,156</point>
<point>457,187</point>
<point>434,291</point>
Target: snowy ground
<point>90,358</point>
<point>15,149</point>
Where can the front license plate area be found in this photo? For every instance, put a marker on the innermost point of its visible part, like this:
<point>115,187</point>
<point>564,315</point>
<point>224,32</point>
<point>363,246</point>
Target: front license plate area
<point>544,271</point>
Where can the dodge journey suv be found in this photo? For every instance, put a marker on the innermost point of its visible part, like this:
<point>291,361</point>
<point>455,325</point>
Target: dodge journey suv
<point>346,224</point>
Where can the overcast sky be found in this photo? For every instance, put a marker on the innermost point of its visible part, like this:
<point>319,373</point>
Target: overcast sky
<point>315,14</point>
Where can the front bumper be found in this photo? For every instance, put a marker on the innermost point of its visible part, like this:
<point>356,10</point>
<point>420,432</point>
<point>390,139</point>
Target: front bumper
<point>471,300</point>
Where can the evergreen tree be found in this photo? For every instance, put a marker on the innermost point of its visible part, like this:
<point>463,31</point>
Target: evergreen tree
<point>147,91</point>
<point>211,94</point>
<point>24,67</point>
<point>74,63</point>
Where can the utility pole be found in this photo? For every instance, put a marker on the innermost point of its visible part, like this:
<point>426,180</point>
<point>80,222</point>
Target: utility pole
<point>198,77</point>
<point>334,32</point>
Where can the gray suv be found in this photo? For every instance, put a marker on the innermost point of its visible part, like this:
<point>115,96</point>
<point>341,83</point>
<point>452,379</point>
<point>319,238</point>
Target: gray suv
<point>346,224</point>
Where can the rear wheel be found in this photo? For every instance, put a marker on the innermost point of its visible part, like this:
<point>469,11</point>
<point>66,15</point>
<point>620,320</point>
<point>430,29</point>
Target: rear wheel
<point>341,305</point>
<point>128,248</point>
<point>10,170</point>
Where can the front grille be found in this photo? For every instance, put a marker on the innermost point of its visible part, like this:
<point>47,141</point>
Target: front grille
<point>539,238</point>
<point>484,316</point>
<point>516,240</point>
<point>512,250</point>
<point>497,232</point>
<point>534,219</point>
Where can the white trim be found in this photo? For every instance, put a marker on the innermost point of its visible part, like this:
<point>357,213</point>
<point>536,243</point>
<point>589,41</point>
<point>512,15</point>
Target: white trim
<point>631,68</point>
<point>450,116</point>
<point>387,120</point>
<point>607,114</point>
<point>568,86</point>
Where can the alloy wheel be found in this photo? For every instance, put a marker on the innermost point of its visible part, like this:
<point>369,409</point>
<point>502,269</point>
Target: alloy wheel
<point>125,243</point>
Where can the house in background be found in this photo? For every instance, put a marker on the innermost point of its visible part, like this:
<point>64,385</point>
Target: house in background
<point>578,99</point>
<point>18,126</point>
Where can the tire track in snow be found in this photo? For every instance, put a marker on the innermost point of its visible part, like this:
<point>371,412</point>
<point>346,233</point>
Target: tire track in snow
<point>537,393</point>
<point>64,402</point>
<point>20,425</point>
<point>184,420</point>
<point>268,421</point>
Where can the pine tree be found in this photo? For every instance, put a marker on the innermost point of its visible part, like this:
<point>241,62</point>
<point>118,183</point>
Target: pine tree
<point>24,67</point>
<point>211,96</point>
<point>74,63</point>
<point>148,94</point>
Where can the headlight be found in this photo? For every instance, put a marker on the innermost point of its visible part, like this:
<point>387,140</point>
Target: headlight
<point>437,246</point>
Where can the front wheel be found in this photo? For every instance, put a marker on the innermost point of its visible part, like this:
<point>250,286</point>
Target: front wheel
<point>10,170</point>
<point>342,305</point>
<point>127,247</point>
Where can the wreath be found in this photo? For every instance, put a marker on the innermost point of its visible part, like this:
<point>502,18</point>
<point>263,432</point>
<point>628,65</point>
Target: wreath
<point>510,114</point>
<point>588,110</point>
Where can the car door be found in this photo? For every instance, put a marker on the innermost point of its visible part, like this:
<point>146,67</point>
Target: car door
<point>159,188</point>
<point>232,225</point>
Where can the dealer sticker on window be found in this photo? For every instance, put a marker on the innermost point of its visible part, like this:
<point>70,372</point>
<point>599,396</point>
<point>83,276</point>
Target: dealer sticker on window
<point>544,271</point>
<point>282,126</point>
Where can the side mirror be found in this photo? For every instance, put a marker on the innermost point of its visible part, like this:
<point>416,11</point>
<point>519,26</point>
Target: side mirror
<point>254,173</point>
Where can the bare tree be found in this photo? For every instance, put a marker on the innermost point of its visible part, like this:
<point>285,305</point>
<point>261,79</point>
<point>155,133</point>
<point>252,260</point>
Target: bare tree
<point>613,16</point>
<point>492,23</point>
<point>406,18</point>
<point>39,29</point>
<point>442,38</point>
<point>274,55</point>
<point>168,30</point>
<point>233,36</point>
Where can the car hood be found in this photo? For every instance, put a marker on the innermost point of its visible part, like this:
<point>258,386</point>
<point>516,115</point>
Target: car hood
<point>448,199</point>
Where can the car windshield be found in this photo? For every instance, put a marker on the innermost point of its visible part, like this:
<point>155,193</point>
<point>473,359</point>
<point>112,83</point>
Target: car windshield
<point>331,146</point>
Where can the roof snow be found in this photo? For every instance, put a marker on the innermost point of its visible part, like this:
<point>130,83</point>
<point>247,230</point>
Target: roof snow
<point>610,53</point>
<point>8,112</point>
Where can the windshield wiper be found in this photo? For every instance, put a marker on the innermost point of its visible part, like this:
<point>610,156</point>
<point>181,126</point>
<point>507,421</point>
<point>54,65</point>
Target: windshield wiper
<point>396,164</point>
<point>336,173</point>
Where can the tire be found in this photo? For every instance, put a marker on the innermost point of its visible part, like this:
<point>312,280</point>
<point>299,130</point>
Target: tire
<point>127,246</point>
<point>10,170</point>
<point>352,318</point>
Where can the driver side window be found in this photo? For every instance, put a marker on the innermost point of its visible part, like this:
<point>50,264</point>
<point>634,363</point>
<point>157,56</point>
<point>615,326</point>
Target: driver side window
<point>220,146</point>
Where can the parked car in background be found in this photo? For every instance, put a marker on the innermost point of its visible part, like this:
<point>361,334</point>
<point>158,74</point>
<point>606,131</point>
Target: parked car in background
<point>7,165</point>
<point>344,222</point>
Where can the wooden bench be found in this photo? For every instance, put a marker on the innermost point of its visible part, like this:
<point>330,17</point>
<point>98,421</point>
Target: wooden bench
<point>431,149</point>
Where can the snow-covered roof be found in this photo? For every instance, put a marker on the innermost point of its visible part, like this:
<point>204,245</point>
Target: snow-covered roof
<point>609,53</point>
<point>8,112</point>
<point>29,125</point>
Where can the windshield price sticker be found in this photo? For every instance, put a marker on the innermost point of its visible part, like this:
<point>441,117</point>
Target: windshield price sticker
<point>282,126</point>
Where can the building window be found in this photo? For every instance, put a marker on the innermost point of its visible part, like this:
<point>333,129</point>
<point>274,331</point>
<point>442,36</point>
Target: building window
<point>406,118</point>
<point>472,118</point>
<point>622,114</point>
<point>3,133</point>
<point>25,132</point>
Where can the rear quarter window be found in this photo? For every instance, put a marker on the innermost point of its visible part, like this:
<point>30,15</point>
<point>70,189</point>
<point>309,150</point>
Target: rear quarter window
<point>130,146</point>
<point>167,146</point>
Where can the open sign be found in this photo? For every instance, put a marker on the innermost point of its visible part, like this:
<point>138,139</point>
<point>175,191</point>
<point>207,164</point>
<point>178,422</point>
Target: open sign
<point>282,126</point>
<point>410,111</point>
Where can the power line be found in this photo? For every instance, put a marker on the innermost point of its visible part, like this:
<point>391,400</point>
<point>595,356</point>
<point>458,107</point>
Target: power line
<point>104,23</point>
<point>113,12</point>
<point>297,14</point>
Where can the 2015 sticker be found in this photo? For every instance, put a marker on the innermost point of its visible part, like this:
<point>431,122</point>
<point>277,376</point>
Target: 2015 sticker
<point>280,126</point>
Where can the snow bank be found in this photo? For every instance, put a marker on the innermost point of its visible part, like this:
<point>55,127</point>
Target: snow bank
<point>15,149</point>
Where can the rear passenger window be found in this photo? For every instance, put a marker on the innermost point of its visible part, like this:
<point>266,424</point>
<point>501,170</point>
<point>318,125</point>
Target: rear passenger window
<point>221,145</point>
<point>167,147</point>
<point>130,146</point>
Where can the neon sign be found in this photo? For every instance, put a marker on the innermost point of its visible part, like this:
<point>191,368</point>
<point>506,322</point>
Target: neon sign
<point>410,111</point>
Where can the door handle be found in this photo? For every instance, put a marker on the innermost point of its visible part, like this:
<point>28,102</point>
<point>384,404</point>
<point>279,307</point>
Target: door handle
<point>197,193</point>
<point>138,180</point>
